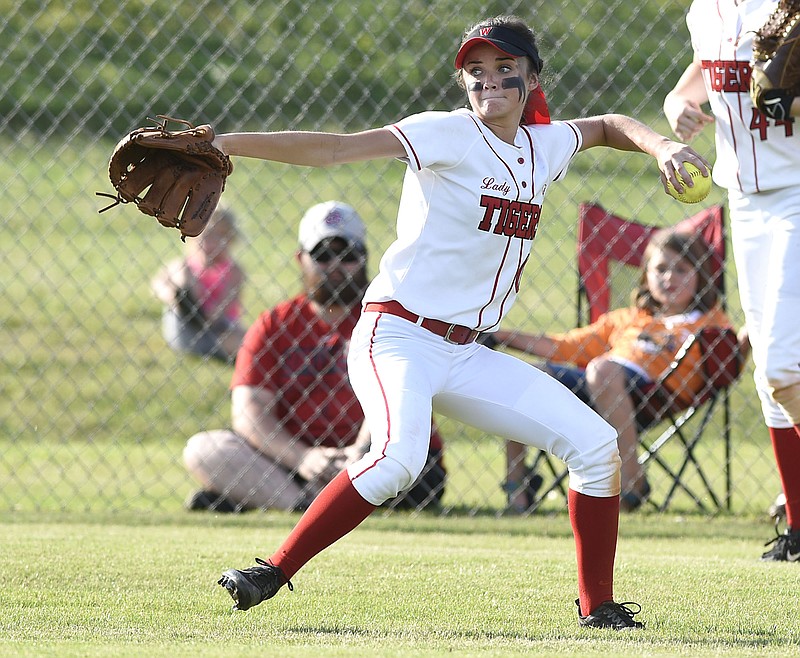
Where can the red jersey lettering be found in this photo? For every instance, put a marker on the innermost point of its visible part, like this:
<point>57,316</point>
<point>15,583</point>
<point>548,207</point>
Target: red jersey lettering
<point>517,219</point>
<point>759,122</point>
<point>490,205</point>
<point>734,77</point>
<point>728,75</point>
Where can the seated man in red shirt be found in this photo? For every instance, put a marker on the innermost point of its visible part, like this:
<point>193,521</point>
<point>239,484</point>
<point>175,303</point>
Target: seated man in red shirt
<point>296,422</point>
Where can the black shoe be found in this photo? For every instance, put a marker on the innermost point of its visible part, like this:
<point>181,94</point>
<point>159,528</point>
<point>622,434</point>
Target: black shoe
<point>534,484</point>
<point>211,501</point>
<point>618,616</point>
<point>249,587</point>
<point>786,548</point>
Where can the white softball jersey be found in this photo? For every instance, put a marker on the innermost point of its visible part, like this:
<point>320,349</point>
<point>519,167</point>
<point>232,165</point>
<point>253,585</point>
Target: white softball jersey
<point>468,214</point>
<point>754,153</point>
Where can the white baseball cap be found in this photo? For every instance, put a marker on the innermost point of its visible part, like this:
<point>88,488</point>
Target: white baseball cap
<point>331,219</point>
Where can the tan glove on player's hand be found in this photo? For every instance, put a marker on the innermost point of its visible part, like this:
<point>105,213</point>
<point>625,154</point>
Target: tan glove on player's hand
<point>183,172</point>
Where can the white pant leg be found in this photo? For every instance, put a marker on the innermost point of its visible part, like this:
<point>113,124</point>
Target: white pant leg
<point>765,232</point>
<point>395,368</point>
<point>399,371</point>
<point>505,396</point>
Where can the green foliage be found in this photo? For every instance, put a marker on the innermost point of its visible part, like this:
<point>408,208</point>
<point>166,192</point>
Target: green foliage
<point>264,64</point>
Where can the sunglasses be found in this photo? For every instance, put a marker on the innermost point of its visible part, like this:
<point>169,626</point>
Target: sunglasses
<point>325,253</point>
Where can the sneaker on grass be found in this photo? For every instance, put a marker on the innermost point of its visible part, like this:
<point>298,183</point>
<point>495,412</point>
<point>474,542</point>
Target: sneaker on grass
<point>249,587</point>
<point>786,547</point>
<point>617,616</point>
<point>204,500</point>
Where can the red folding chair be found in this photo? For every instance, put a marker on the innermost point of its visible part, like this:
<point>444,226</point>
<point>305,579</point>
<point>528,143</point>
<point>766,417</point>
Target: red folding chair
<point>606,240</point>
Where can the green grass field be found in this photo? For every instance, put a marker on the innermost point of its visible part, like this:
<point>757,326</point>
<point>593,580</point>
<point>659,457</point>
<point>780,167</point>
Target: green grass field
<point>397,586</point>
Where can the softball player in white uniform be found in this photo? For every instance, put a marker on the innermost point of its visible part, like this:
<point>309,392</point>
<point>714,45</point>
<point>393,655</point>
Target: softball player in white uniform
<point>758,162</point>
<point>469,211</point>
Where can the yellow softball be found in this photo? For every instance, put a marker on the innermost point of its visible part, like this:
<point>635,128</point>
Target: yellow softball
<point>702,186</point>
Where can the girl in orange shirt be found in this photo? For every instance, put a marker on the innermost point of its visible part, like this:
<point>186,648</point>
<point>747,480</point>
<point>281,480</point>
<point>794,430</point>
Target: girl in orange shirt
<point>626,350</point>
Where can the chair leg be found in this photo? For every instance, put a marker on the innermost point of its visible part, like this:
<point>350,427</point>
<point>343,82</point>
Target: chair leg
<point>726,419</point>
<point>701,474</point>
<point>679,483</point>
<point>689,458</point>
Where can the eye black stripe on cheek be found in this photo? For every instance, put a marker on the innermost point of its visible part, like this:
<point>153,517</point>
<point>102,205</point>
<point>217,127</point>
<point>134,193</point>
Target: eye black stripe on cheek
<point>515,82</point>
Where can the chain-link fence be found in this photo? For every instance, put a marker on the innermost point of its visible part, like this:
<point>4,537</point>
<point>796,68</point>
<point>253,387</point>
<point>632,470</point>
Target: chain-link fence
<point>95,407</point>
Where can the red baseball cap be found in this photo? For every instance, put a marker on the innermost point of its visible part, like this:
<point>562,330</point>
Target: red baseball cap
<point>504,39</point>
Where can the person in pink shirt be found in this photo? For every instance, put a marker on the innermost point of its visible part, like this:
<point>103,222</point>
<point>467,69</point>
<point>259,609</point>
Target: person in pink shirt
<point>201,293</point>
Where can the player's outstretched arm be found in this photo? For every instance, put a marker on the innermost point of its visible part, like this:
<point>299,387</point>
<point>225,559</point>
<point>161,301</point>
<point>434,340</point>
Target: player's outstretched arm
<point>312,149</point>
<point>626,134</point>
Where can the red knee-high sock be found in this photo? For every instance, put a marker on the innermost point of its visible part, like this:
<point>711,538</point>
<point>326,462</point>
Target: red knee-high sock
<point>336,511</point>
<point>595,522</point>
<point>786,445</point>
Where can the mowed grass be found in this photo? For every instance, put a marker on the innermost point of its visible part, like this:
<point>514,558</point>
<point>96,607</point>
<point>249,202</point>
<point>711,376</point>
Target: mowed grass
<point>396,586</point>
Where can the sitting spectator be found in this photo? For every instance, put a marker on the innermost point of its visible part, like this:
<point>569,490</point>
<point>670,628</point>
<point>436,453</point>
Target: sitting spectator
<point>295,419</point>
<point>619,356</point>
<point>201,293</point>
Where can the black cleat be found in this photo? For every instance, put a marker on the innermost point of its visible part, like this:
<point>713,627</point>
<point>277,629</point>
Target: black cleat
<point>786,548</point>
<point>529,487</point>
<point>249,587</point>
<point>617,616</point>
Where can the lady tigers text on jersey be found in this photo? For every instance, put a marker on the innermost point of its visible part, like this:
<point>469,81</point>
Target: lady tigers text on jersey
<point>517,219</point>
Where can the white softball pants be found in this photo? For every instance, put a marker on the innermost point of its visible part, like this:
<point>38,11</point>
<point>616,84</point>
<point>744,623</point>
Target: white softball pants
<point>401,373</point>
<point>765,234</point>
